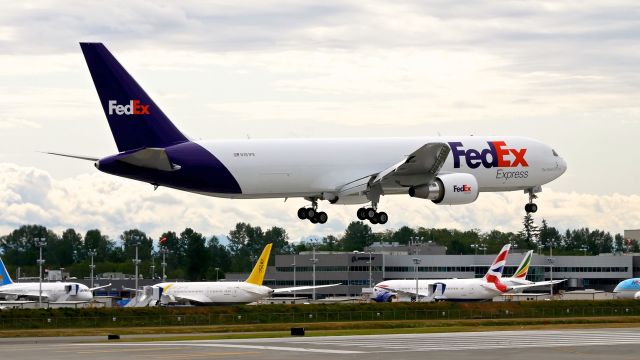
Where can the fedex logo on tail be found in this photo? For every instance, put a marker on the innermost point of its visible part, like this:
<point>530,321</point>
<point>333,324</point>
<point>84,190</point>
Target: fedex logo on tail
<point>133,108</point>
<point>497,155</point>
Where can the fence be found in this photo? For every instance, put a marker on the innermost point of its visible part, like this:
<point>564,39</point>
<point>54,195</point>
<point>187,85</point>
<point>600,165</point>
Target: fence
<point>309,317</point>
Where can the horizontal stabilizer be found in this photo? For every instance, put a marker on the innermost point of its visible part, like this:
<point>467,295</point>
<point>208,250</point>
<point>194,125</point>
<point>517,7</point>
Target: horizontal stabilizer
<point>151,158</point>
<point>81,157</point>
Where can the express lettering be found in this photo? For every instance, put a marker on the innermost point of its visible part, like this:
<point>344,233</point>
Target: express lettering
<point>507,175</point>
<point>497,155</point>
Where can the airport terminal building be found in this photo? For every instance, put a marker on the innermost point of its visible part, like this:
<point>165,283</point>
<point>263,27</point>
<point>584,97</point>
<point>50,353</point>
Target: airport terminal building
<point>355,271</point>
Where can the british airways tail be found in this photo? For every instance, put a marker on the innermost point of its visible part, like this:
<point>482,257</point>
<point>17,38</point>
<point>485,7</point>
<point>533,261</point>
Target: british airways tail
<point>5,279</point>
<point>495,270</point>
<point>136,122</point>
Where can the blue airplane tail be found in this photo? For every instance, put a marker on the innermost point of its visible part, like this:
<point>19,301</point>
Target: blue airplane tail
<point>135,120</point>
<point>5,279</point>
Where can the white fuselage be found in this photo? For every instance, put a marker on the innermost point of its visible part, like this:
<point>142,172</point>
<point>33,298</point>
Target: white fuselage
<point>455,289</point>
<point>213,292</point>
<point>307,167</point>
<point>52,292</point>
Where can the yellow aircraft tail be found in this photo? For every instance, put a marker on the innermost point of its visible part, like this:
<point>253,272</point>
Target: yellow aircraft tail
<point>257,275</point>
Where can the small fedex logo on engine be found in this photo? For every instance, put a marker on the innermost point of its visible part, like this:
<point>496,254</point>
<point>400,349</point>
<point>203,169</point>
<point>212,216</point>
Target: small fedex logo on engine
<point>463,188</point>
<point>133,108</point>
<point>498,154</point>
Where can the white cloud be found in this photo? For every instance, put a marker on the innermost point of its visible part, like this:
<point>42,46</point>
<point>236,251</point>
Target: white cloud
<point>32,196</point>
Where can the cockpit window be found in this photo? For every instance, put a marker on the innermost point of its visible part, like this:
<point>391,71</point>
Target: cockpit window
<point>554,153</point>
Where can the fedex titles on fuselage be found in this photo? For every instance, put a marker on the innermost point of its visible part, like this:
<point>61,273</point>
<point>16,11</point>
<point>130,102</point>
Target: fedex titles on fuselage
<point>496,155</point>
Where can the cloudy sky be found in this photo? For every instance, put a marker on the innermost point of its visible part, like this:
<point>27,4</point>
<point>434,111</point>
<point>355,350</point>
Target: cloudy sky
<point>565,73</point>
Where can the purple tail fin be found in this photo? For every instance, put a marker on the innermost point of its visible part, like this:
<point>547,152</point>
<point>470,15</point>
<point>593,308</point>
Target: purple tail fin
<point>135,120</point>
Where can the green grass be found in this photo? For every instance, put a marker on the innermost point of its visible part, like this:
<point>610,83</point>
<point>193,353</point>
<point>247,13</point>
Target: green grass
<point>336,328</point>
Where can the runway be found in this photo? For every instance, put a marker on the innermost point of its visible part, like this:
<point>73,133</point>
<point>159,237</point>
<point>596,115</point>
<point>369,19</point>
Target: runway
<point>565,344</point>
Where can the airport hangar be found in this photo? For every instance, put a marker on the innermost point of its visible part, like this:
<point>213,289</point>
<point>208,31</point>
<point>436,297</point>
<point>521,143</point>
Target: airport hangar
<point>392,261</point>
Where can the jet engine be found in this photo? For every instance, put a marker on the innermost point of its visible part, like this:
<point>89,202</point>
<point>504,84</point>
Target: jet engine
<point>448,189</point>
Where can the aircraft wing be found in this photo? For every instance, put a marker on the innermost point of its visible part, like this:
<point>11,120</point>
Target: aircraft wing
<point>199,298</point>
<point>540,283</point>
<point>418,168</point>
<point>407,292</point>
<point>415,169</point>
<point>100,287</point>
<point>300,288</point>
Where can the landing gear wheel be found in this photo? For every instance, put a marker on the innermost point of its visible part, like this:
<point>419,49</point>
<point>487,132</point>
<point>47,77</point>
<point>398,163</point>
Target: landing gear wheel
<point>322,217</point>
<point>373,220</point>
<point>382,217</point>
<point>531,208</point>
<point>370,213</point>
<point>313,220</point>
<point>361,214</point>
<point>311,213</point>
<point>302,213</point>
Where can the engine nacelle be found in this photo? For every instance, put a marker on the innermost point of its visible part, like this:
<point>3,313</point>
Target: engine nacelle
<point>448,189</point>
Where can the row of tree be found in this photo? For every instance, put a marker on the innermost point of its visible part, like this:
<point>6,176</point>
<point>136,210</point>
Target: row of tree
<point>194,256</point>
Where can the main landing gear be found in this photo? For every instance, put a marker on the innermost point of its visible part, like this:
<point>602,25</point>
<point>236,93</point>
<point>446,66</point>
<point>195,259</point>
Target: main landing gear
<point>372,215</point>
<point>312,214</point>
<point>531,207</point>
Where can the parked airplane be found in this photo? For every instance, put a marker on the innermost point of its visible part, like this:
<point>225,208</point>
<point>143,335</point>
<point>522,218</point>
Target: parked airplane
<point>628,289</point>
<point>520,276</point>
<point>448,289</point>
<point>486,288</point>
<point>51,292</point>
<point>219,293</point>
<point>445,170</point>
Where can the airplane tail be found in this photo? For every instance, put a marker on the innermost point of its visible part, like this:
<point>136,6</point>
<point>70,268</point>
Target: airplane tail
<point>523,269</point>
<point>5,278</point>
<point>257,275</point>
<point>495,270</point>
<point>135,120</point>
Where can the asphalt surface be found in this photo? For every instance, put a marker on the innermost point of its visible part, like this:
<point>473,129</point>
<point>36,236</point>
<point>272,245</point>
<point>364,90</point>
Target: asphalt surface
<point>563,344</point>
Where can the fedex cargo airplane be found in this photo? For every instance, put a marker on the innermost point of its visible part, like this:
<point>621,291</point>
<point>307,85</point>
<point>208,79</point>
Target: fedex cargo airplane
<point>443,170</point>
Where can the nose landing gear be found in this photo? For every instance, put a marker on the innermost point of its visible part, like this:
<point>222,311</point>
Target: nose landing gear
<point>531,207</point>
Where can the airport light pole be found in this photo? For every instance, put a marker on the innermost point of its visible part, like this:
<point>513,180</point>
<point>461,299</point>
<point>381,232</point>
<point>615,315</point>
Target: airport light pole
<point>416,262</point>
<point>217,269</point>
<point>153,266</point>
<point>164,264</point>
<point>551,266</point>
<point>414,242</point>
<point>369,262</point>
<point>584,248</point>
<point>136,261</point>
<point>40,242</point>
<point>314,260</point>
<point>92,253</point>
<point>294,276</point>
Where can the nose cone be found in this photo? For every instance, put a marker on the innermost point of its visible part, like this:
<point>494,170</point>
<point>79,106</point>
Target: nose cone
<point>563,165</point>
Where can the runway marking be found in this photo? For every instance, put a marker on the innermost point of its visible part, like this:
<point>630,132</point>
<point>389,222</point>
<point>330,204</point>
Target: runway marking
<point>360,344</point>
<point>240,346</point>
<point>121,350</point>
<point>199,354</point>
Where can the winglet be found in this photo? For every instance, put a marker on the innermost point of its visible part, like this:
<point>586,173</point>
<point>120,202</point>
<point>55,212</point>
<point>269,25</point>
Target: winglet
<point>257,275</point>
<point>523,269</point>
<point>5,278</point>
